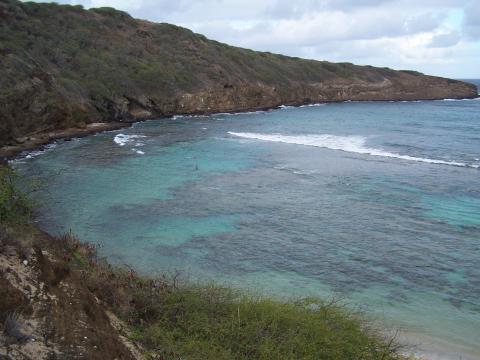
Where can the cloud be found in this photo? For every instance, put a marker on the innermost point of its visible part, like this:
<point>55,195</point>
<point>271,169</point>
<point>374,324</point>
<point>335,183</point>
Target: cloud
<point>445,40</point>
<point>323,27</point>
<point>472,20</point>
<point>287,9</point>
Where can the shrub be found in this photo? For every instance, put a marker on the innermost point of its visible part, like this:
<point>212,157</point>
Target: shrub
<point>15,205</point>
<point>212,322</point>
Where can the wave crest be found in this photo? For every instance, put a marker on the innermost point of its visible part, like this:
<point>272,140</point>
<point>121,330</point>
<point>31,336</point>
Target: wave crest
<point>132,140</point>
<point>122,139</point>
<point>353,144</point>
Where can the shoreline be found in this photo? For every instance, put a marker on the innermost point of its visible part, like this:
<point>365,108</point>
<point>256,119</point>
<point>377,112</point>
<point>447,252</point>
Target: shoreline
<point>423,346</point>
<point>40,140</point>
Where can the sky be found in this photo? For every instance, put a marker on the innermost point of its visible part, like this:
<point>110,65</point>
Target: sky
<point>437,37</point>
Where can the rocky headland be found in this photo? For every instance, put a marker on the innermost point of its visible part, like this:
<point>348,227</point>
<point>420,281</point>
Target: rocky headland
<point>64,68</point>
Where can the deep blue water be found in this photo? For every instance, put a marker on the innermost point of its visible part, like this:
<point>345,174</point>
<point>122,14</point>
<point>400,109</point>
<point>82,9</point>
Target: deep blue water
<point>378,202</point>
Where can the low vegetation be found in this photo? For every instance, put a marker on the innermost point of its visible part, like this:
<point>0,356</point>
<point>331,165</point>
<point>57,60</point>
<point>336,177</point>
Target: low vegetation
<point>208,322</point>
<point>15,205</point>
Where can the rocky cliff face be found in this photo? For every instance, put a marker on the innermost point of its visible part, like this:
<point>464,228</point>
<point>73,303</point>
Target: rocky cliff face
<point>63,67</point>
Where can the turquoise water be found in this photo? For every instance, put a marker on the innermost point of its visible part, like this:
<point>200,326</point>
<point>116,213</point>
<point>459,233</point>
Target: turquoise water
<point>375,202</point>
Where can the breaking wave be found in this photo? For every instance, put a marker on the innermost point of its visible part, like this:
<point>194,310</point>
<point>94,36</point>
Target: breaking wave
<point>34,153</point>
<point>469,99</point>
<point>122,139</point>
<point>133,140</point>
<point>353,144</point>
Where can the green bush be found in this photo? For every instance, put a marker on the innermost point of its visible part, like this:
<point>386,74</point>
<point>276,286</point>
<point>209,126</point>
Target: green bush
<point>15,205</point>
<point>210,322</point>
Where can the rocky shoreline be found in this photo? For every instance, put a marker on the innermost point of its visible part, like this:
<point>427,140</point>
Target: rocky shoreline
<point>39,140</point>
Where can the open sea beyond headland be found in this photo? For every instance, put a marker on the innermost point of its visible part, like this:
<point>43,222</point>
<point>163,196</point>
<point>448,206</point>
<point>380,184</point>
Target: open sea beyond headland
<point>377,202</point>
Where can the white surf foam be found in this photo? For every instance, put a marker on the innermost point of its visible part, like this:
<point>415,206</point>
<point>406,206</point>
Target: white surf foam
<point>313,105</point>
<point>35,153</point>
<point>122,139</point>
<point>474,99</point>
<point>353,144</point>
<point>239,113</point>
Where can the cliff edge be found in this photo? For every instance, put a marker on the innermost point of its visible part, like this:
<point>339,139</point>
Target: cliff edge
<point>66,67</point>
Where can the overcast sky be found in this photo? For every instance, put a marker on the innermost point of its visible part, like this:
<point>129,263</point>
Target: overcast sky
<point>439,37</point>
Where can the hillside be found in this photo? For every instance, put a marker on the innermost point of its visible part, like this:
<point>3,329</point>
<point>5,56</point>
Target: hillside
<point>63,66</point>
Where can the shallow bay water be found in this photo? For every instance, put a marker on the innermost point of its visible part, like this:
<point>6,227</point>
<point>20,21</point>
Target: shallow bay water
<point>376,202</point>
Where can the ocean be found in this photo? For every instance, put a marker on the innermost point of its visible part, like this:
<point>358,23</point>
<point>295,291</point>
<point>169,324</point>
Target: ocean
<point>377,203</point>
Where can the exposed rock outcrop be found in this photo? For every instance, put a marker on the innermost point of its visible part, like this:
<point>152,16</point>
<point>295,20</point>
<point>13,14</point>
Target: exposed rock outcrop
<point>53,314</point>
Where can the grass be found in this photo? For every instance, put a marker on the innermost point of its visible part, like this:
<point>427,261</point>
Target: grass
<point>212,322</point>
<point>15,205</point>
